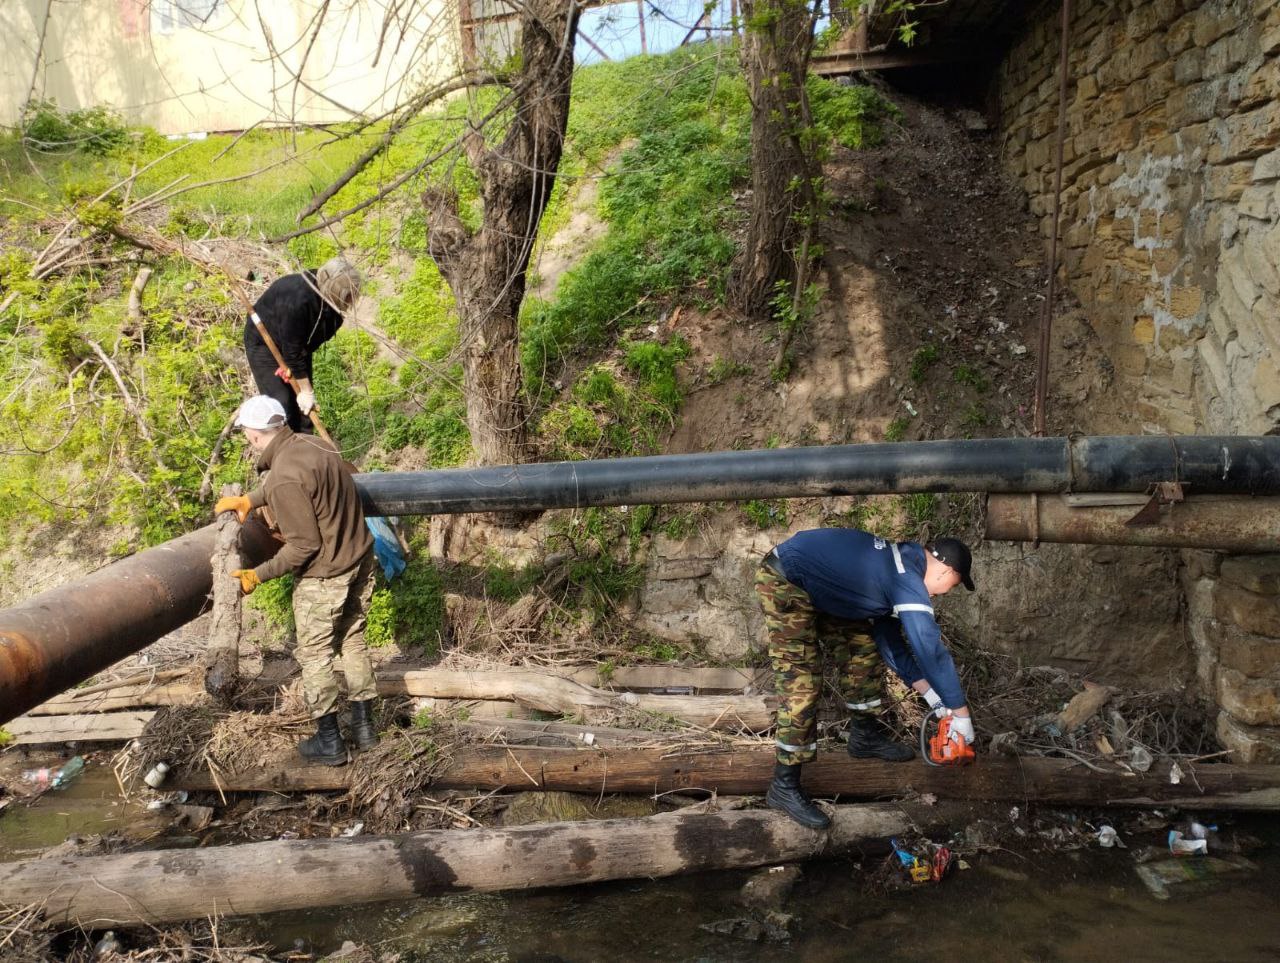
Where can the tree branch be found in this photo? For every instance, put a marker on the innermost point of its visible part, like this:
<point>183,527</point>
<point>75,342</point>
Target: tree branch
<point>128,398</point>
<point>396,126</point>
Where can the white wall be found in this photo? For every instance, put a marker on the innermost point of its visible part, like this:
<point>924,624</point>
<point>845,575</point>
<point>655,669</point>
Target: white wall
<point>196,65</point>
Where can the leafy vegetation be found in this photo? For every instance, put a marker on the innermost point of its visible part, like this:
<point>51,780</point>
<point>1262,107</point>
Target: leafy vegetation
<point>93,130</point>
<point>766,513</point>
<point>896,430</point>
<point>123,421</point>
<point>924,359</point>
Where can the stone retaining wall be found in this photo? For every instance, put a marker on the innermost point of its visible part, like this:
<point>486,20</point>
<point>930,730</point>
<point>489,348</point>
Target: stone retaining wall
<point>1171,234</point>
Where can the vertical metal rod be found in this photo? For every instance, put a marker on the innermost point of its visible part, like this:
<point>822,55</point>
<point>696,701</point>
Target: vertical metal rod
<point>644,45</point>
<point>1046,319</point>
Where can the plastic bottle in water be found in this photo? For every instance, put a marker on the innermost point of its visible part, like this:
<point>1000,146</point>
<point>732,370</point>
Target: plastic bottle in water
<point>73,768</point>
<point>39,777</point>
<point>47,778</point>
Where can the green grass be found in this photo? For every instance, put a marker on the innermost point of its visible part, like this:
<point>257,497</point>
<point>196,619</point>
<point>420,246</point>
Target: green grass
<point>896,430</point>
<point>924,359</point>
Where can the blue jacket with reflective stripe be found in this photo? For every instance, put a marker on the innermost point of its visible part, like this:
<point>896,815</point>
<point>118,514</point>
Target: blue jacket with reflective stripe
<point>854,575</point>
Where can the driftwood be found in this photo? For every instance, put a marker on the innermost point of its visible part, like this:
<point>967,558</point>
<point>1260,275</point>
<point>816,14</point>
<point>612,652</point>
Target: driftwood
<point>1060,782</point>
<point>104,727</point>
<point>548,693</point>
<point>159,886</point>
<point>222,660</point>
<point>1082,707</point>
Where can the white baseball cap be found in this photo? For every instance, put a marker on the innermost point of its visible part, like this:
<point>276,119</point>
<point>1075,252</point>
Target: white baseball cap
<point>261,413</point>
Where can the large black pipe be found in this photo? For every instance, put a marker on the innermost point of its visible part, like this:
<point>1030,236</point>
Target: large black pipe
<point>67,634</point>
<point>1204,464</point>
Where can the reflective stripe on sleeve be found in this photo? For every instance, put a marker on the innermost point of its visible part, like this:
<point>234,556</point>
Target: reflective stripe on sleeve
<point>912,607</point>
<point>897,559</point>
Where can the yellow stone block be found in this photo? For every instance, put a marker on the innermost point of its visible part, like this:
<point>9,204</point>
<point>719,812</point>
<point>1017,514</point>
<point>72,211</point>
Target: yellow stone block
<point>1144,329</point>
<point>1185,302</point>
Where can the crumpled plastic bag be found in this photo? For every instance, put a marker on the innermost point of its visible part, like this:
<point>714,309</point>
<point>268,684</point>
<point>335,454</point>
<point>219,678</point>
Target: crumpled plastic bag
<point>386,547</point>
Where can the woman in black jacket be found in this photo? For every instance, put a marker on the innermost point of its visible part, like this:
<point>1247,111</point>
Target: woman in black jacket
<point>301,312</point>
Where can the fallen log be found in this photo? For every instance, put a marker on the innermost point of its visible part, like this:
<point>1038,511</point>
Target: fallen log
<point>489,709</point>
<point>565,734</point>
<point>139,695</point>
<point>552,694</point>
<point>104,727</point>
<point>629,678</point>
<point>701,680</point>
<point>166,885</point>
<point>1062,782</point>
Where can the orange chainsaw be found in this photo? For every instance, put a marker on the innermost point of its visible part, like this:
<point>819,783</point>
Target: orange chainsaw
<point>942,749</point>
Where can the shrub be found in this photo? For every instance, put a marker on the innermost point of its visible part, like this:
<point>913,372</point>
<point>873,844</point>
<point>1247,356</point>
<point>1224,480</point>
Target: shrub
<point>94,130</point>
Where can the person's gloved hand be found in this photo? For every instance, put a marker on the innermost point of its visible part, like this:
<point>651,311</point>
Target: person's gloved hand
<point>962,726</point>
<point>935,703</point>
<point>306,402</point>
<point>234,503</point>
<point>283,374</point>
<point>248,579</point>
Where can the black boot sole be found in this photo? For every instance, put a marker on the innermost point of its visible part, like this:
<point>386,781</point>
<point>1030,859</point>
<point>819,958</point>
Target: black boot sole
<point>363,746</point>
<point>341,760</point>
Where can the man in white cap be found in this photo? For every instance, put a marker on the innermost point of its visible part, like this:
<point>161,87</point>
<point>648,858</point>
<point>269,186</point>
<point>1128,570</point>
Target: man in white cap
<point>329,551</point>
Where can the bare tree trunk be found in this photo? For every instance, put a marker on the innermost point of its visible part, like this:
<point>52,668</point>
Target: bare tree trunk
<point>785,173</point>
<point>486,269</point>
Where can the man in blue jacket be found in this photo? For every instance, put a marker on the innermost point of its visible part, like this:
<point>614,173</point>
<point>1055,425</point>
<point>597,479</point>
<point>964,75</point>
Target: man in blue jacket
<point>859,597</point>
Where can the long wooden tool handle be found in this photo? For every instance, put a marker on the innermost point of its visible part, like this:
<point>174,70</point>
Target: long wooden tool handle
<point>275,353</point>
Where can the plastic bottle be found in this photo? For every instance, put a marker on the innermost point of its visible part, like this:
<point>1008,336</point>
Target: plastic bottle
<point>39,777</point>
<point>49,778</point>
<point>157,775</point>
<point>73,768</point>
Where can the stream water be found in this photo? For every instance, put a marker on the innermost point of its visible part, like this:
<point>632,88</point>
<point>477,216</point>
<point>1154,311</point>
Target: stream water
<point>1079,905</point>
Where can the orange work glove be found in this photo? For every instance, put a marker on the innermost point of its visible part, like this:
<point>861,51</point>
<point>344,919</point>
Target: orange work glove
<point>234,503</point>
<point>248,579</point>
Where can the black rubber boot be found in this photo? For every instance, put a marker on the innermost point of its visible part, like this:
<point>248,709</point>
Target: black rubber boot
<point>869,738</point>
<point>363,734</point>
<point>326,747</point>
<point>785,795</point>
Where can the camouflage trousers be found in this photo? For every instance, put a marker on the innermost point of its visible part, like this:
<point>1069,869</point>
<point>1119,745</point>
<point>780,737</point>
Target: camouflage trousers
<point>330,617</point>
<point>798,633</point>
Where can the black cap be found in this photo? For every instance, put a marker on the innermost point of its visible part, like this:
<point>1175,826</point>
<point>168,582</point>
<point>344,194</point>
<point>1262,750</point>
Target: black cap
<point>955,553</point>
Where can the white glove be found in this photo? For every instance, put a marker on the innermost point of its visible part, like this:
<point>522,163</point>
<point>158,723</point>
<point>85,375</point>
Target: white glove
<point>935,703</point>
<point>962,726</point>
<point>306,402</point>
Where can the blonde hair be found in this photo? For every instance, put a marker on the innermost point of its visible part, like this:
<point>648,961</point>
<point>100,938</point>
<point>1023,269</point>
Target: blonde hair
<point>339,283</point>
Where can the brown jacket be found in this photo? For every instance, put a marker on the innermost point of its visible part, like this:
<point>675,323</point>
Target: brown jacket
<point>316,505</point>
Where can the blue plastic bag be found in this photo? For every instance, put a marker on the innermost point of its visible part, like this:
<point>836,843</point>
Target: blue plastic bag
<point>386,546</point>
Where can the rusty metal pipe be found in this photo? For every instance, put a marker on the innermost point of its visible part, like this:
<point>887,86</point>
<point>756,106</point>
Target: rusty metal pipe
<point>1224,523</point>
<point>67,634</point>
